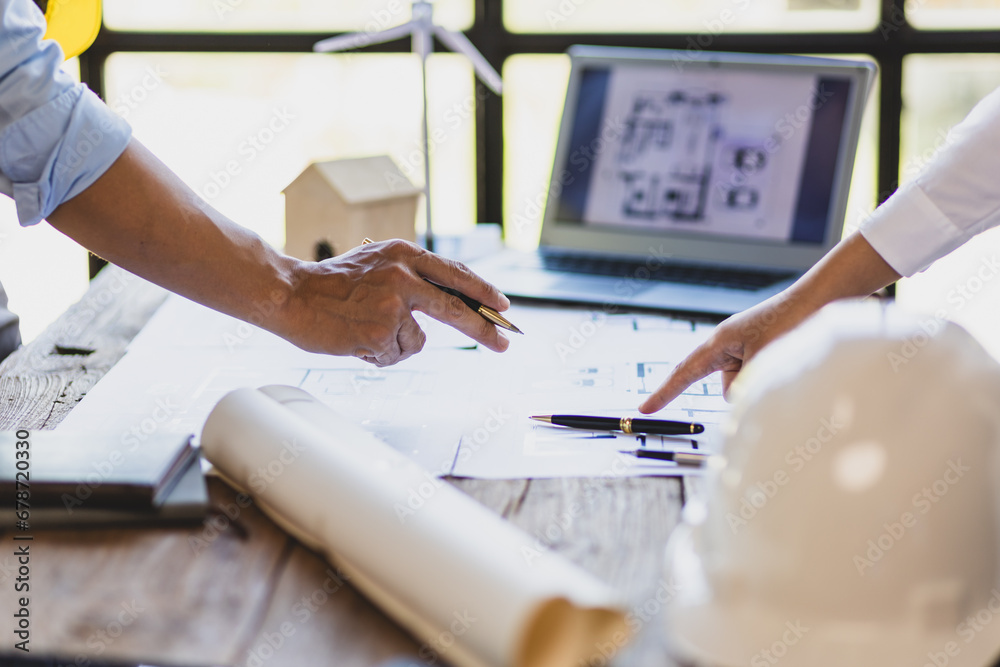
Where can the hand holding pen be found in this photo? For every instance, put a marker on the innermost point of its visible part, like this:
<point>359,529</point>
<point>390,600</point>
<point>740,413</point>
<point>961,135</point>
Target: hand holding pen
<point>487,313</point>
<point>361,303</point>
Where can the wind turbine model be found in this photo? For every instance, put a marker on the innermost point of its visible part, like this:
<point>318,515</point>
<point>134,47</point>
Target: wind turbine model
<point>422,30</point>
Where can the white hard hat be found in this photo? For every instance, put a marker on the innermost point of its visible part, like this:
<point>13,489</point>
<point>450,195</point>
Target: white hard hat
<point>857,521</point>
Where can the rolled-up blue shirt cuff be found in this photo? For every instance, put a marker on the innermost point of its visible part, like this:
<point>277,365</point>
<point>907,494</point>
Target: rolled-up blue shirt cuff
<point>58,150</point>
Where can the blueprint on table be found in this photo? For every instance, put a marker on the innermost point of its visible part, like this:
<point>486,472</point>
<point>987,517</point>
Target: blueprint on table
<point>456,408</point>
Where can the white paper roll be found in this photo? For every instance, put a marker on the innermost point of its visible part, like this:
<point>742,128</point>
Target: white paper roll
<point>470,585</point>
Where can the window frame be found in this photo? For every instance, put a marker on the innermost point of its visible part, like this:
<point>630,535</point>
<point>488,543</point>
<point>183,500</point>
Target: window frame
<point>888,43</point>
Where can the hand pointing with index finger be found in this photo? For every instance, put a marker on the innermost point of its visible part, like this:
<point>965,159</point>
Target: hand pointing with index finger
<point>851,269</point>
<point>733,343</point>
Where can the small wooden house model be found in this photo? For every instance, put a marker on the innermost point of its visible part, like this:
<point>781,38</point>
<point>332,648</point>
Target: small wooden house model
<point>332,206</point>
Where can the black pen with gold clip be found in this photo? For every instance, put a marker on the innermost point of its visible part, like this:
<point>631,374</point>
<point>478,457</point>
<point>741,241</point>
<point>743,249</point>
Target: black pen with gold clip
<point>623,424</point>
<point>485,312</point>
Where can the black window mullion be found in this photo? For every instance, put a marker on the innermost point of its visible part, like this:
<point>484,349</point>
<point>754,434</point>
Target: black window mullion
<point>490,37</point>
<point>888,43</point>
<point>891,29</point>
<point>92,74</point>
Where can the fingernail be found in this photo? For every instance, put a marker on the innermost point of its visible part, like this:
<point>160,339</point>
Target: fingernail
<point>505,341</point>
<point>504,301</point>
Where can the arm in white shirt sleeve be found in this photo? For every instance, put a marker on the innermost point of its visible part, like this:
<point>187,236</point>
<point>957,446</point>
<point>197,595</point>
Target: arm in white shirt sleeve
<point>954,198</point>
<point>56,136</point>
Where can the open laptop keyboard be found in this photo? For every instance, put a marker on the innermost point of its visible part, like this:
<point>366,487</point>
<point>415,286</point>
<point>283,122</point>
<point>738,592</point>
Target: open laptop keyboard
<point>692,274</point>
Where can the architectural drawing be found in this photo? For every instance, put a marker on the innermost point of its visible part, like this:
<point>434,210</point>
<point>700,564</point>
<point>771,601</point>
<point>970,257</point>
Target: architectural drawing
<point>674,147</point>
<point>454,410</point>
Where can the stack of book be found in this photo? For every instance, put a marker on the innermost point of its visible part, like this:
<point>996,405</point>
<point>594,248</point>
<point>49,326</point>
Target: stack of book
<point>78,480</point>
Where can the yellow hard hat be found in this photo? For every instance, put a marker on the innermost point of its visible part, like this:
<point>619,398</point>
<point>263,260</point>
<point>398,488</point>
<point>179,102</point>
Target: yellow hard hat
<point>72,23</point>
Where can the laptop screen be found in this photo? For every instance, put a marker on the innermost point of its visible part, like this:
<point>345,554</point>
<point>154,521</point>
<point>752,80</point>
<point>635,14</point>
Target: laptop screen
<point>727,152</point>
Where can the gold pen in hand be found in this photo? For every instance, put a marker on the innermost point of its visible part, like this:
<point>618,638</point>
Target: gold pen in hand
<point>485,312</point>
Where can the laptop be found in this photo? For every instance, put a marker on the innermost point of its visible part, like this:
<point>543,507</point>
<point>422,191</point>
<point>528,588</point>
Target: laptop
<point>696,184</point>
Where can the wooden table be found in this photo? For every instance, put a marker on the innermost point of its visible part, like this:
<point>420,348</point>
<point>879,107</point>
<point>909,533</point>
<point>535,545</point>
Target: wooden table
<point>228,591</point>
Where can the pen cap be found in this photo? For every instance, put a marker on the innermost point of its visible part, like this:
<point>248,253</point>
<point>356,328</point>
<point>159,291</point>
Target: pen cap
<point>857,519</point>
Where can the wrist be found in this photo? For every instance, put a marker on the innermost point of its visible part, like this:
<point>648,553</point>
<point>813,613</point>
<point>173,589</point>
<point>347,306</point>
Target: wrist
<point>853,269</point>
<point>282,308</point>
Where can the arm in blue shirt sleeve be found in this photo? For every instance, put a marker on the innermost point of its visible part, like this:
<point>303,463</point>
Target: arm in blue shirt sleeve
<point>56,136</point>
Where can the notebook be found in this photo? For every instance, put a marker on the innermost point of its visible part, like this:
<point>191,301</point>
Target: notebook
<point>80,470</point>
<point>691,182</point>
<point>185,503</point>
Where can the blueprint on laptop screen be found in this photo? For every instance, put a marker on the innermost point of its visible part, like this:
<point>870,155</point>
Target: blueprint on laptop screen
<point>724,152</point>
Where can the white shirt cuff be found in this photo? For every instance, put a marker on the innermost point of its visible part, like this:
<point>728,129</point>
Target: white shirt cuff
<point>910,232</point>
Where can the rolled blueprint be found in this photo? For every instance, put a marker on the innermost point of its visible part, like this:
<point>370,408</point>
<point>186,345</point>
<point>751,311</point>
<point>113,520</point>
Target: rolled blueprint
<point>442,565</point>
